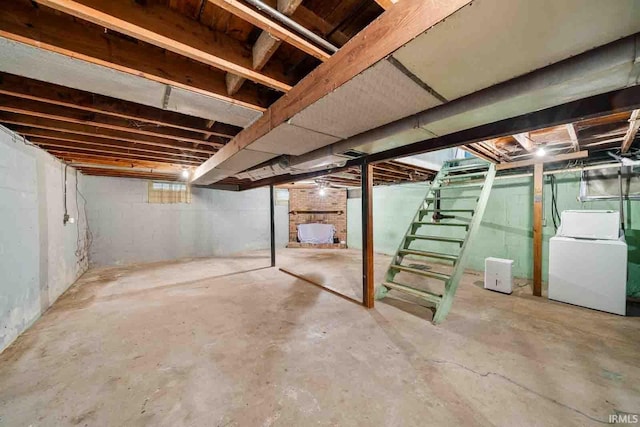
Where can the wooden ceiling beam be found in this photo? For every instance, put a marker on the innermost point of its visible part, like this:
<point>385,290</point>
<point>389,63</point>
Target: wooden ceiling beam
<point>63,142</point>
<point>573,136</point>
<point>126,158</point>
<point>548,159</point>
<point>55,135</point>
<point>81,129</point>
<point>386,4</point>
<point>162,27</point>
<point>28,107</point>
<point>263,49</point>
<point>58,146</point>
<point>112,173</point>
<point>92,160</point>
<point>50,93</point>
<point>393,29</point>
<point>634,124</point>
<point>274,28</point>
<point>44,28</point>
<point>524,139</point>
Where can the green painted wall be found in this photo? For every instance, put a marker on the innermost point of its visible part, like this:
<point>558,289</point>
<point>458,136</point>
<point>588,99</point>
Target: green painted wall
<point>506,226</point>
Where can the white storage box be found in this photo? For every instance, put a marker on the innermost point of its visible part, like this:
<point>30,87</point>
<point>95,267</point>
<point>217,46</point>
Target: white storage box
<point>498,275</point>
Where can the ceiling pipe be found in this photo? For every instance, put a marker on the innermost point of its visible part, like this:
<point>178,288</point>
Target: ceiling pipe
<point>292,24</point>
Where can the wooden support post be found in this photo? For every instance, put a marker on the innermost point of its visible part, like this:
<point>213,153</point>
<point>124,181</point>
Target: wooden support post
<point>538,183</point>
<point>272,226</point>
<point>367,234</point>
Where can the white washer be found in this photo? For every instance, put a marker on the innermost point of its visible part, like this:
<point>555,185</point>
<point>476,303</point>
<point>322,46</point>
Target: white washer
<point>589,272</point>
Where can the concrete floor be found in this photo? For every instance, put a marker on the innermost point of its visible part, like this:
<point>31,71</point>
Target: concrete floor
<point>227,342</point>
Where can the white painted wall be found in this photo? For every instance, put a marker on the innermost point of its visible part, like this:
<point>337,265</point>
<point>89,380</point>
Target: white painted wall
<point>127,229</point>
<point>39,256</point>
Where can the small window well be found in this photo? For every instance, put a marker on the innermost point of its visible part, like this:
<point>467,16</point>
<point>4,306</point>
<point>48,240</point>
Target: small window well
<point>169,192</point>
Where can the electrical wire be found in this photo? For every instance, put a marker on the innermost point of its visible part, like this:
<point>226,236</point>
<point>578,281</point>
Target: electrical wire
<point>555,215</point>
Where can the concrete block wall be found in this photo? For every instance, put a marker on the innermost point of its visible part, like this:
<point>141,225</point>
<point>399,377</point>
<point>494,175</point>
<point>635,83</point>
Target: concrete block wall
<point>310,199</point>
<point>39,256</point>
<point>127,229</point>
<point>506,230</point>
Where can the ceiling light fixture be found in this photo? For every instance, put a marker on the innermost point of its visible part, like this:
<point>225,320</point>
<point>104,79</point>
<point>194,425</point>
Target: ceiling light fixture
<point>540,152</point>
<point>185,173</point>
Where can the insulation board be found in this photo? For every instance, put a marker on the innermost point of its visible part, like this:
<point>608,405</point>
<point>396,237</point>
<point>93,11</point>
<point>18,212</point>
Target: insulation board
<point>292,140</point>
<point>377,96</point>
<point>491,41</point>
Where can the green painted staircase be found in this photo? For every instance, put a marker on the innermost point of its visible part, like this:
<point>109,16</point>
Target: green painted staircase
<point>442,235</point>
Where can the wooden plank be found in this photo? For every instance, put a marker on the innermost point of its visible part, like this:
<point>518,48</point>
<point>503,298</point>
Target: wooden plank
<point>274,28</point>
<point>60,142</point>
<point>46,29</point>
<point>35,90</point>
<point>634,124</point>
<point>80,129</point>
<point>28,107</point>
<point>368,291</point>
<point>386,4</point>
<point>120,153</point>
<point>405,21</point>
<point>573,135</point>
<point>287,7</point>
<point>92,159</point>
<point>538,183</point>
<point>550,159</point>
<point>263,49</point>
<point>55,135</point>
<point>162,27</point>
<point>524,139</point>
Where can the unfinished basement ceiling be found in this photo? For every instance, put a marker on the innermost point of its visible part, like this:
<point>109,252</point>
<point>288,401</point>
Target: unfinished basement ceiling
<point>383,93</point>
<point>121,52</point>
<point>24,60</point>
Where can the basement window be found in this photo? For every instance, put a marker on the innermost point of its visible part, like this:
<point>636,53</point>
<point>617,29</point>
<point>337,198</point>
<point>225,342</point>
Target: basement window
<point>169,192</point>
<point>603,184</point>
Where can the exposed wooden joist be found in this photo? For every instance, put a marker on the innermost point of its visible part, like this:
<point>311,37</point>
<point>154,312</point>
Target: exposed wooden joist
<point>263,49</point>
<point>573,135</point>
<point>120,153</point>
<point>548,159</point>
<point>634,124</point>
<point>274,28</point>
<point>46,29</point>
<point>162,27</point>
<point>473,149</point>
<point>524,139</point>
<point>35,90</point>
<point>55,112</point>
<point>81,129</point>
<point>381,38</point>
<point>56,135</point>
<point>131,173</point>
<point>93,159</point>
<point>386,4</point>
<point>62,142</point>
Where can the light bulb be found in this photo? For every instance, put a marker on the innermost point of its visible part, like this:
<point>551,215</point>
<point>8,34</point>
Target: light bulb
<point>322,191</point>
<point>185,173</point>
<point>540,152</point>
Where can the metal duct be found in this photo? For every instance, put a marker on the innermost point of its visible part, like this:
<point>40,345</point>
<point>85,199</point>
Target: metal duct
<point>616,62</point>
